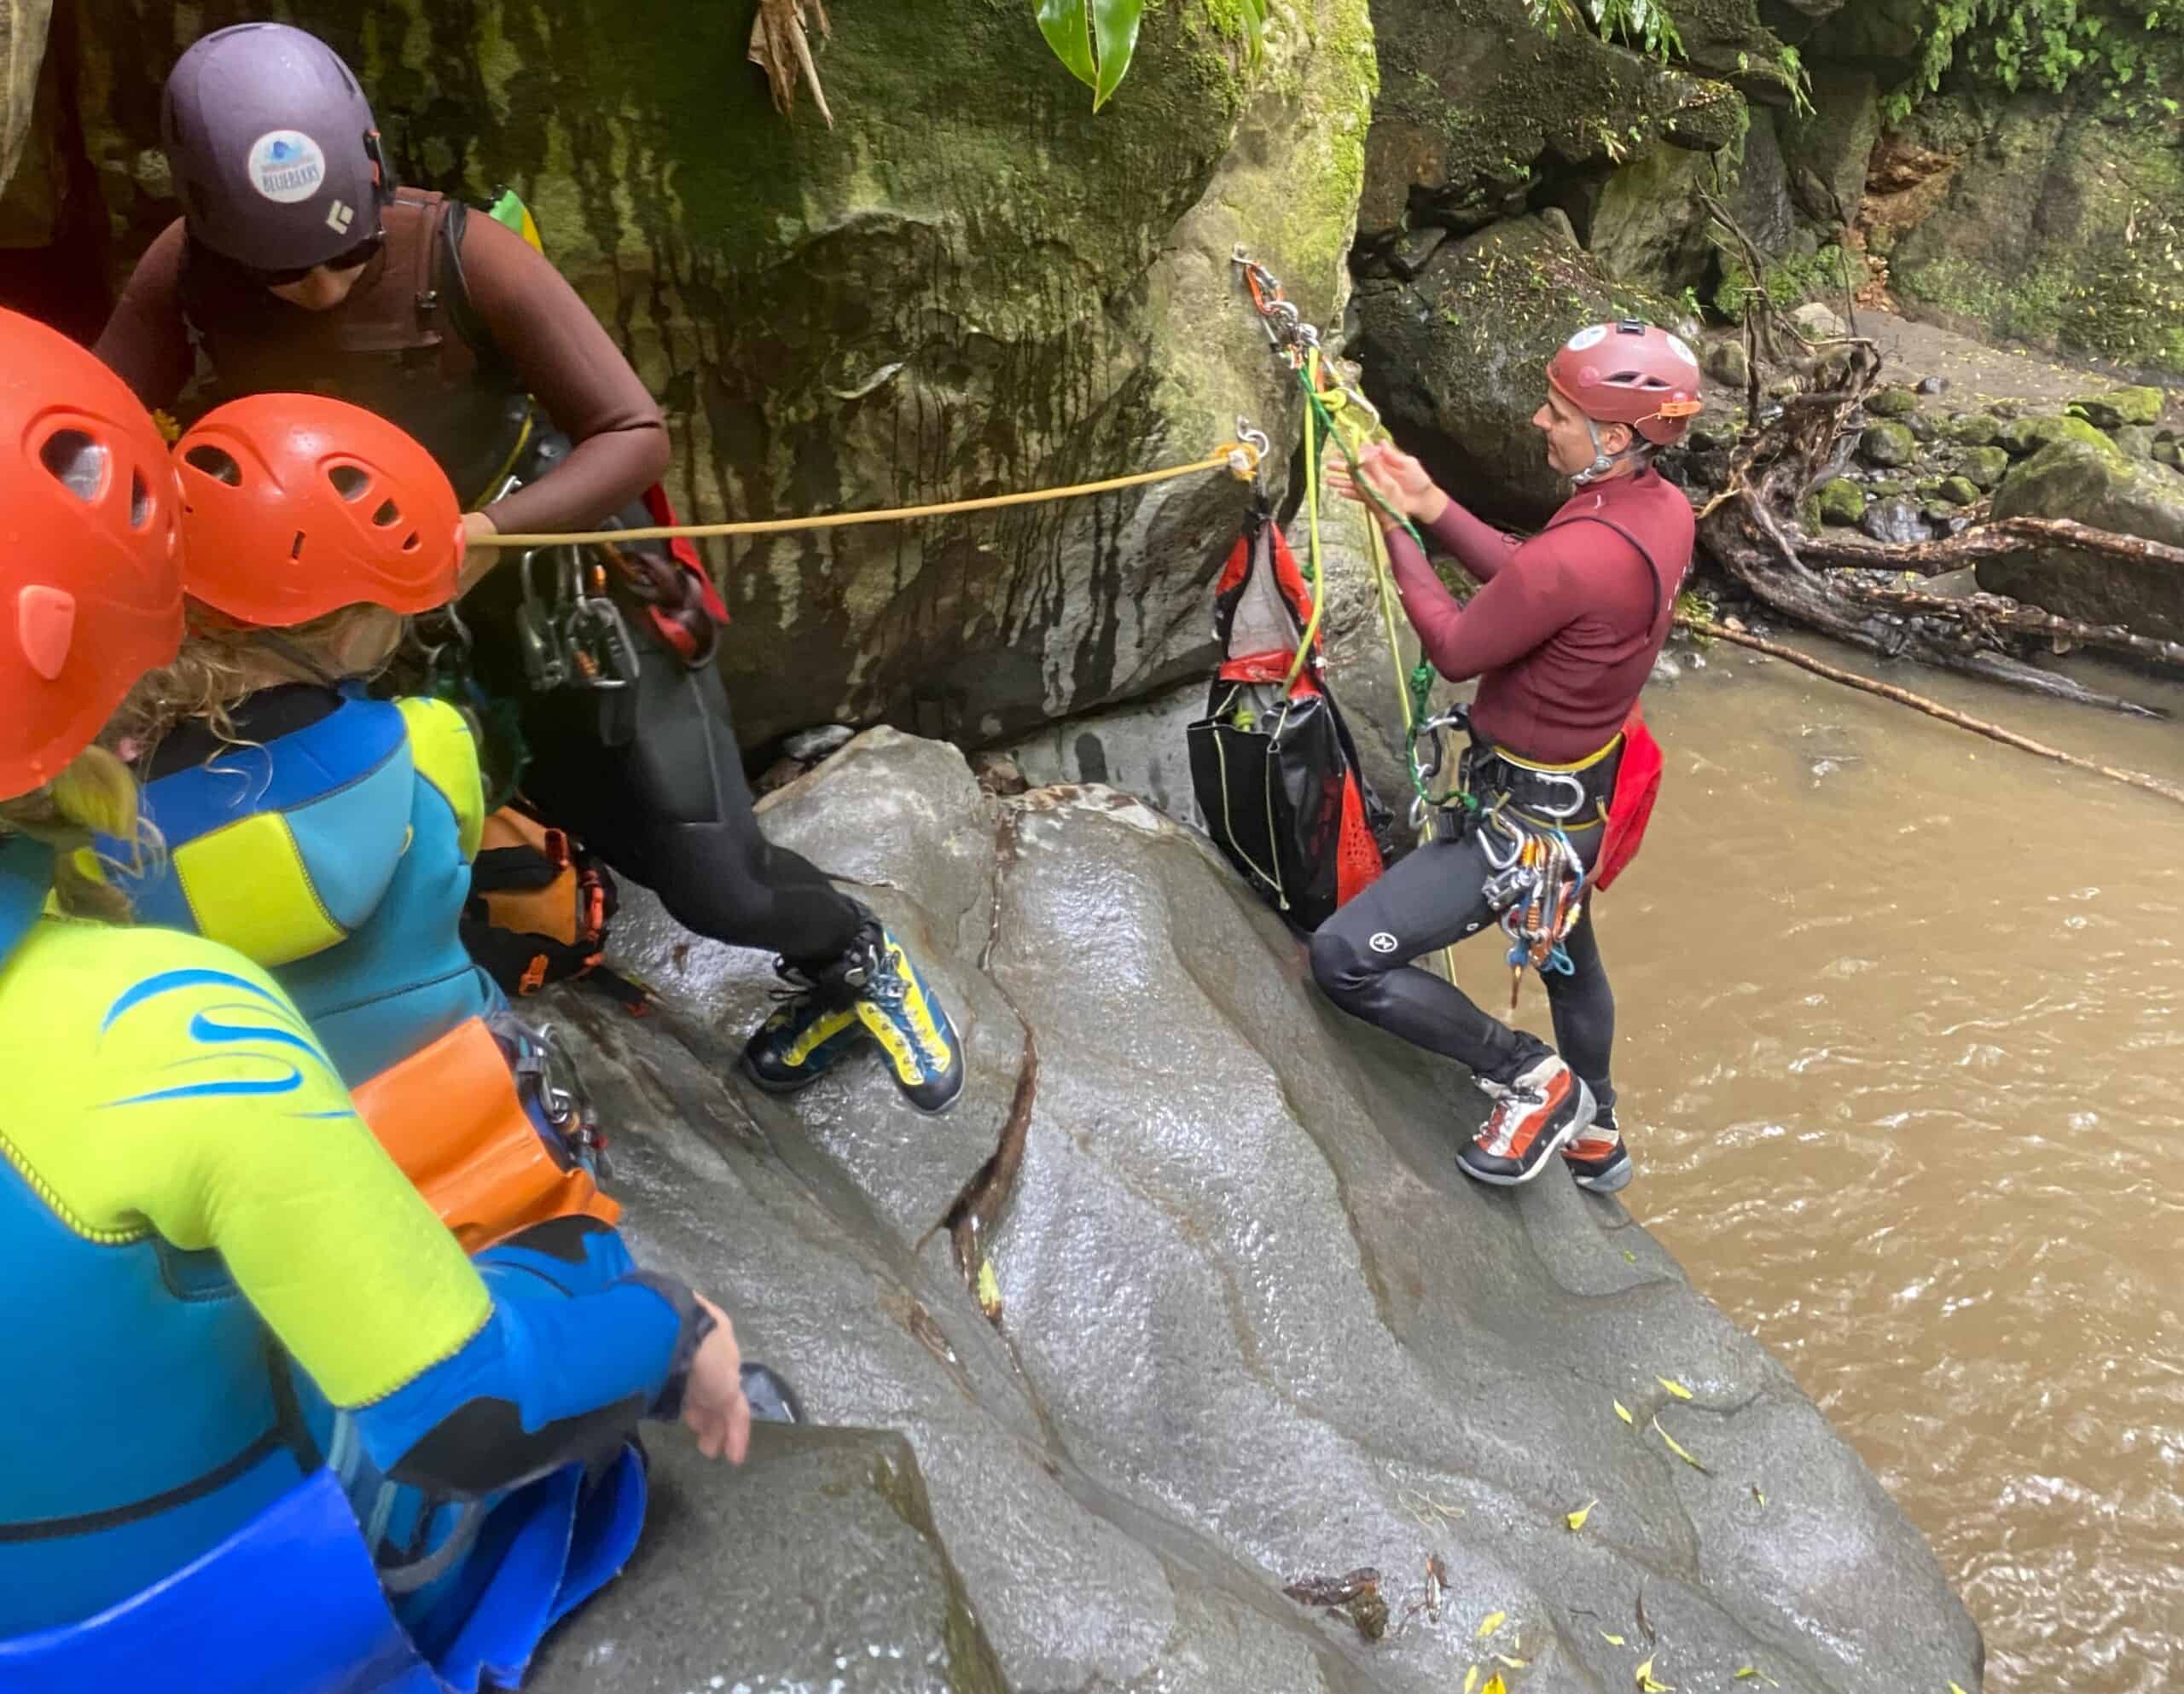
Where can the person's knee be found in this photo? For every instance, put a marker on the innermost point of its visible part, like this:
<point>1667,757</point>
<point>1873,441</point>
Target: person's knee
<point>1344,969</point>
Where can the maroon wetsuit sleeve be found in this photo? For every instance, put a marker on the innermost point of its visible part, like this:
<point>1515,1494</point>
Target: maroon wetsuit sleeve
<point>1524,605</point>
<point>573,367</point>
<point>146,342</point>
<point>1472,543</point>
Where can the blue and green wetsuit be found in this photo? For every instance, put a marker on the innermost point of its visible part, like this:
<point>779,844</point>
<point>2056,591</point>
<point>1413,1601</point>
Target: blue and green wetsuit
<point>232,1285</point>
<point>329,838</point>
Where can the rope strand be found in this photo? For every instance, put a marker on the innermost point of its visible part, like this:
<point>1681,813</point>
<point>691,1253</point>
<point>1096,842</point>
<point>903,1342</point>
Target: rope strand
<point>1240,459</point>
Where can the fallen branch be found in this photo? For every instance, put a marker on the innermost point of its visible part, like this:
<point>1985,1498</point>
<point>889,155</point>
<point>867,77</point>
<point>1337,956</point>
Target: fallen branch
<point>1985,613</point>
<point>2136,779</point>
<point>1995,540</point>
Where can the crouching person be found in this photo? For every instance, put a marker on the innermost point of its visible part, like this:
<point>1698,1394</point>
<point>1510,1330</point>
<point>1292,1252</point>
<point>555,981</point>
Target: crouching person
<point>232,1297</point>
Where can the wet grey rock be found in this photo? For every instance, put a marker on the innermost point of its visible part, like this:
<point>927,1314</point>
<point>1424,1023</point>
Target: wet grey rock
<point>1895,519</point>
<point>1819,323</point>
<point>1985,467</point>
<point>1412,249</point>
<point>2100,486</point>
<point>1933,384</point>
<point>810,745</point>
<point>1727,363</point>
<point>1923,428</point>
<point>1887,445</point>
<point>2136,440</point>
<point>817,1513</point>
<point>1253,1324</point>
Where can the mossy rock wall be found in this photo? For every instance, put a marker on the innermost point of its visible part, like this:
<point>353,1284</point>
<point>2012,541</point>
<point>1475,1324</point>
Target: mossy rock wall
<point>1457,359</point>
<point>2059,227</point>
<point>970,284</point>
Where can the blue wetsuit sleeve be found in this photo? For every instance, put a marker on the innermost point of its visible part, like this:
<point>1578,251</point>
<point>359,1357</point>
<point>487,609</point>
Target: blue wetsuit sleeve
<point>552,1376</point>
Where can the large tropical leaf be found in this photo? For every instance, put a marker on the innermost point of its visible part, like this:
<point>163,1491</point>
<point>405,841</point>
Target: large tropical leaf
<point>1115,27</point>
<point>1063,23</point>
<point>1095,38</point>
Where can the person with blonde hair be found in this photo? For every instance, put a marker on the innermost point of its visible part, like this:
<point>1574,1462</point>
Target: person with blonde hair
<point>232,1282</point>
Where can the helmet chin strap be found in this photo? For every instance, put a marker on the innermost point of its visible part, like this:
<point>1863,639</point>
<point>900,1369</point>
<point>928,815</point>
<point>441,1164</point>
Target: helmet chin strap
<point>1603,460</point>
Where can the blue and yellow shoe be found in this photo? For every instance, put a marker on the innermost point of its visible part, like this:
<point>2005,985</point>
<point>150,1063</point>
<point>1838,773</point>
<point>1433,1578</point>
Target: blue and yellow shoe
<point>901,1012</point>
<point>802,1039</point>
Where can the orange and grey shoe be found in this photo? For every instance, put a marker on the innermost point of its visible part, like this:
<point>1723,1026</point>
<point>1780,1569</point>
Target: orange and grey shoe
<point>900,1011</point>
<point>1597,1158</point>
<point>1535,1113</point>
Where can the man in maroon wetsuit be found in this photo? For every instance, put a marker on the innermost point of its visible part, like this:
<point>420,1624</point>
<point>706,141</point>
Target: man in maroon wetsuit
<point>1561,635</point>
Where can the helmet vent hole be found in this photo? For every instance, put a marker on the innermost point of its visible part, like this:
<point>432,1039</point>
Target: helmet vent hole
<point>216,463</point>
<point>296,547</point>
<point>410,541</point>
<point>350,481</point>
<point>140,501</point>
<point>76,462</point>
<point>388,515</point>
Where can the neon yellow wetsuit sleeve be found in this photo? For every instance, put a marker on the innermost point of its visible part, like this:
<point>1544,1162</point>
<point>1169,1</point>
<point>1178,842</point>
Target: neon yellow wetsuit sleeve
<point>446,756</point>
<point>181,1093</point>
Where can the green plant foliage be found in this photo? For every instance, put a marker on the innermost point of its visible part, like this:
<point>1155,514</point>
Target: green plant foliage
<point>2014,45</point>
<point>1644,25</point>
<point>1095,38</point>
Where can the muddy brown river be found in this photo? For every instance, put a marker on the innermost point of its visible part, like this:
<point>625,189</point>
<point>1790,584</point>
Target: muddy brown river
<point>1902,1042</point>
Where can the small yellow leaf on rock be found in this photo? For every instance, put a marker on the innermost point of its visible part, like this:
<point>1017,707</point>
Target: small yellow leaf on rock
<point>1613,1640</point>
<point>1746,1674</point>
<point>1644,1673</point>
<point>1643,1676</point>
<point>988,1289</point>
<point>1492,1621</point>
<point>1676,1389</point>
<point>1495,1684</point>
<point>1622,1411</point>
<point>1471,1680</point>
<point>1680,1451</point>
<point>1576,1519</point>
<point>1513,1664</point>
<point>1954,1689</point>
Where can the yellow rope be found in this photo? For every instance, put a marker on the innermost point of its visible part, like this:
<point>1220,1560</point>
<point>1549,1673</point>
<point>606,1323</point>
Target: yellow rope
<point>1240,458</point>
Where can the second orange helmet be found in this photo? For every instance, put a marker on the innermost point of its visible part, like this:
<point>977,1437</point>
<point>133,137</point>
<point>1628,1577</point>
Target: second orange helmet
<point>296,505</point>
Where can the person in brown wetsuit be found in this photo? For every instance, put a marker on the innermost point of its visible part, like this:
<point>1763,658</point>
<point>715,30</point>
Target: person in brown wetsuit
<point>299,265</point>
<point>1561,635</point>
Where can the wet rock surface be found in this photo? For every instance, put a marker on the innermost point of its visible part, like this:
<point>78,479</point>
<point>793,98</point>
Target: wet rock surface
<point>1252,1326</point>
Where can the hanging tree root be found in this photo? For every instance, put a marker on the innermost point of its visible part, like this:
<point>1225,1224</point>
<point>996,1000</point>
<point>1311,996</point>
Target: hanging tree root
<point>2136,779</point>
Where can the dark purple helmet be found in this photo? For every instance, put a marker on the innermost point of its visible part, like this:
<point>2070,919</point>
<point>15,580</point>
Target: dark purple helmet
<point>274,149</point>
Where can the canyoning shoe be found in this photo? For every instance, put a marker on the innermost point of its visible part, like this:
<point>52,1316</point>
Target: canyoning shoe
<point>1597,1158</point>
<point>901,1012</point>
<point>1535,1112</point>
<point>803,1037</point>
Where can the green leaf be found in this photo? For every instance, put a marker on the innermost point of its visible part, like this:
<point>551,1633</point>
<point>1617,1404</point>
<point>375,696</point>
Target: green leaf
<point>1068,33</point>
<point>1115,32</point>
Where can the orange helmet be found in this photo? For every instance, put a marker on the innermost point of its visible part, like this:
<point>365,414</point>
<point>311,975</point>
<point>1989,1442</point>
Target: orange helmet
<point>295,505</point>
<point>90,566</point>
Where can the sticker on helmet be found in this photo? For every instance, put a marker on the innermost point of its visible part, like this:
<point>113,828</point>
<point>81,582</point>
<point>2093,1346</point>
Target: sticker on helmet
<point>1591,336</point>
<point>1683,352</point>
<point>286,165</point>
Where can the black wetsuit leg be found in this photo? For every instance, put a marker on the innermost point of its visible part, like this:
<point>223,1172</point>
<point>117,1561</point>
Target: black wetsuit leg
<point>1432,899</point>
<point>650,778</point>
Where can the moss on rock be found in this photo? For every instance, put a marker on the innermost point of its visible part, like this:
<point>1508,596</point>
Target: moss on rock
<point>1457,359</point>
<point>1888,444</point>
<point>1841,501</point>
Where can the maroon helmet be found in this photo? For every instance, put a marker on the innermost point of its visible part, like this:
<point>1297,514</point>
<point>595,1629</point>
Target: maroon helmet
<point>1631,372</point>
<point>275,152</point>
